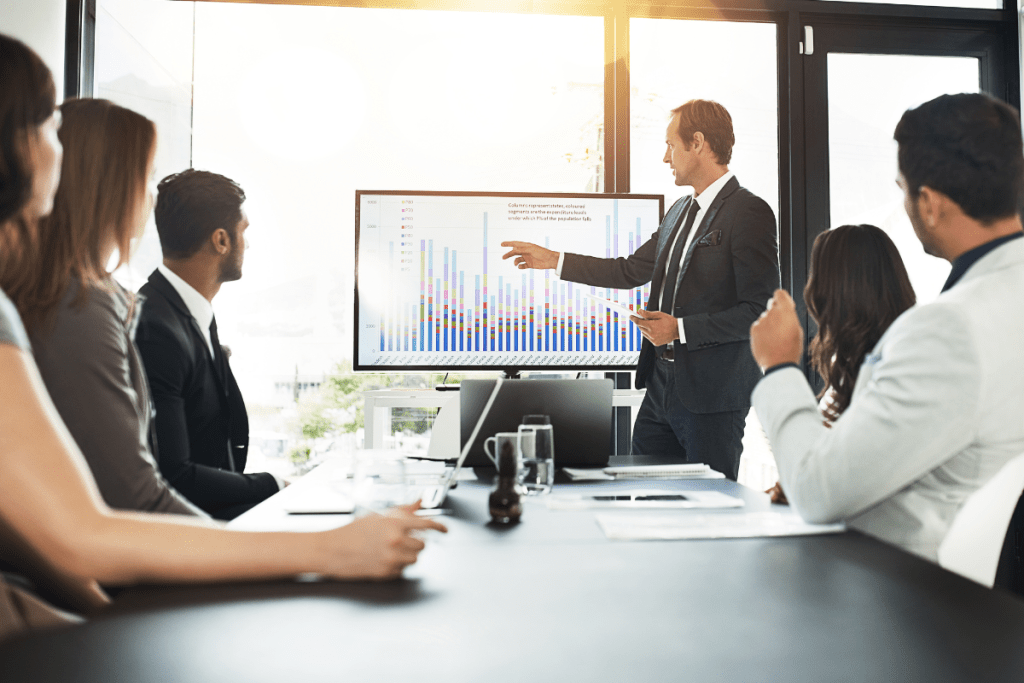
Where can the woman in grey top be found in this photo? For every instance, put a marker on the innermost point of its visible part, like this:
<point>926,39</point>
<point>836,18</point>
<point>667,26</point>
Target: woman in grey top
<point>80,320</point>
<point>51,511</point>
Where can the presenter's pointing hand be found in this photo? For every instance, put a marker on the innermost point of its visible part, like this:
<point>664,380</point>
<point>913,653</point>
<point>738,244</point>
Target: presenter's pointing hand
<point>528,255</point>
<point>657,327</point>
<point>776,337</point>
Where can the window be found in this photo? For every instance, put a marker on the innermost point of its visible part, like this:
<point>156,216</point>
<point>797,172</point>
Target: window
<point>867,95</point>
<point>303,104</point>
<point>742,78</point>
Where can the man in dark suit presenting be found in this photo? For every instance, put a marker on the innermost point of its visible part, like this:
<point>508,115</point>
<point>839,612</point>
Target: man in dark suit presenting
<point>712,265</point>
<point>202,428</point>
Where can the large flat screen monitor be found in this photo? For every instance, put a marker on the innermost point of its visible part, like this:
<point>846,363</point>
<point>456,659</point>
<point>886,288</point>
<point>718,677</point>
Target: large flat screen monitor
<point>433,293</point>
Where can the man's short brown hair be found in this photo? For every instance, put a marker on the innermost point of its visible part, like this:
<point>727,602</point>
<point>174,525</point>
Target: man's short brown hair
<point>711,119</point>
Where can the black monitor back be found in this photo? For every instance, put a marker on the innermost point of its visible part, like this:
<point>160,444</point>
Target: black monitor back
<point>580,410</point>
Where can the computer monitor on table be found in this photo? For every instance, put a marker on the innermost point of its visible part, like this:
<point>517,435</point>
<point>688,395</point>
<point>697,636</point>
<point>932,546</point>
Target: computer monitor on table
<point>580,411</point>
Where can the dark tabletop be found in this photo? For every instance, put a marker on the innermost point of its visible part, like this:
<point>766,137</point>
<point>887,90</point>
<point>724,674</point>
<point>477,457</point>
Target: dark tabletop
<point>553,599</point>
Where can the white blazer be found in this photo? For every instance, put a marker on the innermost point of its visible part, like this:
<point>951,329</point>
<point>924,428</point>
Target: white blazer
<point>937,410</point>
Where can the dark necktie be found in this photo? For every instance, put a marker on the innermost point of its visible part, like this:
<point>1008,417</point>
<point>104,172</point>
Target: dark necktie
<point>220,363</point>
<point>668,293</point>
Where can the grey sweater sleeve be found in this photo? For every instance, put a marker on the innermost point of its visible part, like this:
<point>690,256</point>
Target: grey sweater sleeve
<point>92,371</point>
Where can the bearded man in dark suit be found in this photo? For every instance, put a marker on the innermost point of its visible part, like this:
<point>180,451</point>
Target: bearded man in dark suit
<point>713,264</point>
<point>202,427</point>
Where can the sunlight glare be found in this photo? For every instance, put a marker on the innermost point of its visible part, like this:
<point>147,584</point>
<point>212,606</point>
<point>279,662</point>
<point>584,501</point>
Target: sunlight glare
<point>313,109</point>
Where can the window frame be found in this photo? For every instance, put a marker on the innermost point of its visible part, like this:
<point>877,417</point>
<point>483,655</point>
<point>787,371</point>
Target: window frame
<point>799,184</point>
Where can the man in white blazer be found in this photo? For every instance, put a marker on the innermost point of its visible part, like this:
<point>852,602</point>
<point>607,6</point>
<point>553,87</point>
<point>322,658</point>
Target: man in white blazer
<point>938,406</point>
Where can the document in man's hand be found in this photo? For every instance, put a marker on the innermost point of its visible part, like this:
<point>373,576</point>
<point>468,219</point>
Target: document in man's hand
<point>611,305</point>
<point>688,525</point>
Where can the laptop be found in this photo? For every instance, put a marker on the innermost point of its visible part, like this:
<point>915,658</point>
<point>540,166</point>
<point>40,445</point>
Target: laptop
<point>430,488</point>
<point>433,496</point>
<point>580,411</point>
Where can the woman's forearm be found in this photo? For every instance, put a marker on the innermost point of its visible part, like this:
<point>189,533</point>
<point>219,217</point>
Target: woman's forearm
<point>51,501</point>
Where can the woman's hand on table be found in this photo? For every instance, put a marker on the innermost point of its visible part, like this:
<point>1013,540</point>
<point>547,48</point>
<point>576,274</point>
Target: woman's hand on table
<point>378,546</point>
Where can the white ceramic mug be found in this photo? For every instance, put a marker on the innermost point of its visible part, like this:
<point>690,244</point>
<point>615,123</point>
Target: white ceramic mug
<point>494,444</point>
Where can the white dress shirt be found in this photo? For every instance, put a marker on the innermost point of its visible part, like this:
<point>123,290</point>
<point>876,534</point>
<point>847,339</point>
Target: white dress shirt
<point>198,305</point>
<point>704,200</point>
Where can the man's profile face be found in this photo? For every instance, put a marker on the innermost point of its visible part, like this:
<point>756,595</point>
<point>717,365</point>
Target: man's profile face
<point>231,266</point>
<point>681,160</point>
<point>914,214</point>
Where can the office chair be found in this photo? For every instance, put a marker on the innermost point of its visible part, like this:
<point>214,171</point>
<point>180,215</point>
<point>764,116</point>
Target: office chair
<point>445,434</point>
<point>973,544</point>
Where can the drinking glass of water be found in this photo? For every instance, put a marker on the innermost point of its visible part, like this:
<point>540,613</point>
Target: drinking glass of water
<point>379,482</point>
<point>537,463</point>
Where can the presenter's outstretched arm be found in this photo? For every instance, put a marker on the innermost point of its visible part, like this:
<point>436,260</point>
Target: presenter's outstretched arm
<point>528,255</point>
<point>52,511</point>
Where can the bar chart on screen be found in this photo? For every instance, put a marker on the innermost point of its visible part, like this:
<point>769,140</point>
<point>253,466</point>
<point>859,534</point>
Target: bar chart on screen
<point>433,289</point>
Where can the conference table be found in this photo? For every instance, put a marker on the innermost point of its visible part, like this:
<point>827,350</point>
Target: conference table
<point>551,598</point>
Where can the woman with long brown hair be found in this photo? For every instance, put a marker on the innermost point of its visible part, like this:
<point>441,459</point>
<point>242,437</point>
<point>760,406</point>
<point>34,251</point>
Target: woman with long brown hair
<point>856,288</point>
<point>53,522</point>
<point>79,319</point>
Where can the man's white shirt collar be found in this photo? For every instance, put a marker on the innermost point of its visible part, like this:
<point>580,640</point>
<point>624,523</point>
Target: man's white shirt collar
<point>197,304</point>
<point>710,193</point>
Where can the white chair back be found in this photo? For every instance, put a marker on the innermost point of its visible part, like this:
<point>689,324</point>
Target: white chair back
<point>972,546</point>
<point>446,436</point>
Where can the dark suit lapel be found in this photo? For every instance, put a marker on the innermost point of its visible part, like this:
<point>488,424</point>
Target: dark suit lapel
<point>167,290</point>
<point>669,225</point>
<point>665,232</point>
<point>705,225</point>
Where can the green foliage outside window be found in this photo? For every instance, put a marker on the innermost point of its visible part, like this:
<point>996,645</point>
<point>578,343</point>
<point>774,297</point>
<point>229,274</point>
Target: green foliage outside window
<point>337,407</point>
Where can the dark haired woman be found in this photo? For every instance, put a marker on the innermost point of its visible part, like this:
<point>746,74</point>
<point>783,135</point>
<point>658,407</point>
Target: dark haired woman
<point>53,522</point>
<point>857,287</point>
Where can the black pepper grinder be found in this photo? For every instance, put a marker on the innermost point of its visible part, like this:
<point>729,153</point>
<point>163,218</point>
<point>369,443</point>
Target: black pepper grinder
<point>506,500</point>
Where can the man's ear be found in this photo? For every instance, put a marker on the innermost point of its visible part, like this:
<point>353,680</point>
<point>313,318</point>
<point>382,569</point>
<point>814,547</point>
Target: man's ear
<point>221,241</point>
<point>931,205</point>
<point>698,142</point>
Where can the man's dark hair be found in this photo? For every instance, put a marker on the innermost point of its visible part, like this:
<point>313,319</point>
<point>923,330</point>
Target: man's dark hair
<point>191,206</point>
<point>968,147</point>
<point>711,119</point>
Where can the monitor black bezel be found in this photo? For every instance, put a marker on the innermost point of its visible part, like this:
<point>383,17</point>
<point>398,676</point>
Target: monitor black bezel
<point>358,367</point>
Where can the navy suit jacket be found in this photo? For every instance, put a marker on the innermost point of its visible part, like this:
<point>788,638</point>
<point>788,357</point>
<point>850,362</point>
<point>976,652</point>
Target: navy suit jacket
<point>202,428</point>
<point>728,273</point>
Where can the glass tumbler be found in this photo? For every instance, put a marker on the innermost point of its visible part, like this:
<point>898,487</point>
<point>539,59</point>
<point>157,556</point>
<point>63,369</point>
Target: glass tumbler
<point>537,468</point>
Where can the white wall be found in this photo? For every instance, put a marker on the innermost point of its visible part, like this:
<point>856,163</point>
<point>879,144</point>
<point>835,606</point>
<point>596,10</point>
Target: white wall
<point>40,25</point>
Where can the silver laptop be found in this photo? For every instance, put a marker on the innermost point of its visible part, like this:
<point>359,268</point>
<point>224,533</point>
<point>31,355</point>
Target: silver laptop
<point>433,494</point>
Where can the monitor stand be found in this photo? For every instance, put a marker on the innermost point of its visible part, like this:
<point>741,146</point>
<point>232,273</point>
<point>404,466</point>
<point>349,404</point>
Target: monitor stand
<point>507,373</point>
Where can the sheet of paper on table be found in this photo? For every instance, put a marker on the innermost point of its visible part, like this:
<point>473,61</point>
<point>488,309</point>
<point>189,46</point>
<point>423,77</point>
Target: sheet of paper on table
<point>664,526</point>
<point>641,499</point>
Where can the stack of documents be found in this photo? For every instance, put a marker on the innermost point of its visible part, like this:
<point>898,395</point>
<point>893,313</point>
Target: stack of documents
<point>678,526</point>
<point>681,471</point>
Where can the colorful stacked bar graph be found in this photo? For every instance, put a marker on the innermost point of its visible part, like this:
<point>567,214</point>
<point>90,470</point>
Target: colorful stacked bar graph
<point>509,318</point>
